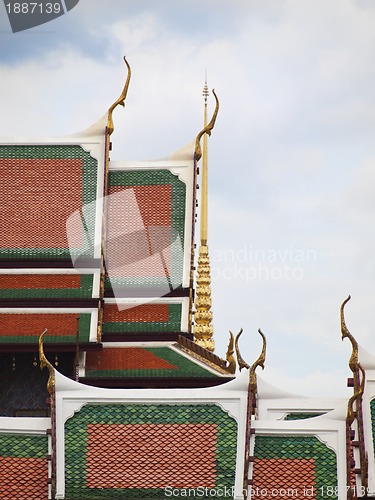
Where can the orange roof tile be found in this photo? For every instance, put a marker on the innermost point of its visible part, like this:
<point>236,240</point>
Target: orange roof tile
<point>131,358</point>
<point>34,324</point>
<point>23,478</point>
<point>151,455</point>
<point>145,313</point>
<point>13,281</point>
<point>154,203</point>
<point>38,199</point>
<point>273,477</point>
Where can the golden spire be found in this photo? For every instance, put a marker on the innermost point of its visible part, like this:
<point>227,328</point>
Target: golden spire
<point>203,330</point>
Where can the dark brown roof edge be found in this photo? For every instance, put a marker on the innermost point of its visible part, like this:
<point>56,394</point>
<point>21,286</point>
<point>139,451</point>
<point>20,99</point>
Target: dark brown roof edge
<point>155,383</point>
<point>197,351</point>
<point>63,347</point>
<point>143,336</point>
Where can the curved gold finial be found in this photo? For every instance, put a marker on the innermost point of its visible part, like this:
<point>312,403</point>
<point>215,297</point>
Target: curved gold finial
<point>120,101</point>
<point>353,361</point>
<point>206,130</point>
<point>241,362</point>
<point>259,362</point>
<point>231,360</point>
<point>44,363</point>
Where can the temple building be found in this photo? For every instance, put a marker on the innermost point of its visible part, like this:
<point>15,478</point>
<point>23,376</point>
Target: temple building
<point>109,384</point>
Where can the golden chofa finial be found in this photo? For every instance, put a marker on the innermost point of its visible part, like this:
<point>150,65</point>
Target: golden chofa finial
<point>231,360</point>
<point>353,361</point>
<point>241,362</point>
<point>203,329</point>
<point>44,363</point>
<point>259,362</point>
<point>120,101</point>
<point>207,128</point>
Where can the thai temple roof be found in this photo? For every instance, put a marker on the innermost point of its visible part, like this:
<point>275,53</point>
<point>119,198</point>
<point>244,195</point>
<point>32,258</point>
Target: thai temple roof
<point>105,285</point>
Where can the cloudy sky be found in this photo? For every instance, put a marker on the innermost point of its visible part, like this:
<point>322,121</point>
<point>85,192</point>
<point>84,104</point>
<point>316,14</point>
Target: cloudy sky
<point>291,159</point>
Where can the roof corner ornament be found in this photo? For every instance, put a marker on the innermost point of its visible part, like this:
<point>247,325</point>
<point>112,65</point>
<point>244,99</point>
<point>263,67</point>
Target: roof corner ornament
<point>355,401</point>
<point>120,101</point>
<point>353,361</point>
<point>44,363</point>
<point>231,360</point>
<point>241,362</point>
<point>207,128</point>
<point>251,411</point>
<point>259,362</point>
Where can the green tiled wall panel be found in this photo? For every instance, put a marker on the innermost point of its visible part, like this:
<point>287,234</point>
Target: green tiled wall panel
<point>308,447</point>
<point>76,444</point>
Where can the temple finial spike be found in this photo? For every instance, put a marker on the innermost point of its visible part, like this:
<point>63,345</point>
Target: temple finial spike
<point>203,330</point>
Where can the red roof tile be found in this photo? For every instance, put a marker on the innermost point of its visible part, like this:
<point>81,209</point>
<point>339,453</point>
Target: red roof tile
<point>154,203</point>
<point>39,196</point>
<point>23,478</point>
<point>13,281</point>
<point>34,324</point>
<point>145,313</point>
<point>274,477</point>
<point>139,232</point>
<point>130,358</point>
<point>151,455</point>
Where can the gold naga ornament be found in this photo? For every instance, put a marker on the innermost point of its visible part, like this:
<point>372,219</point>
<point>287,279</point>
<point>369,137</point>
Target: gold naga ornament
<point>120,101</point>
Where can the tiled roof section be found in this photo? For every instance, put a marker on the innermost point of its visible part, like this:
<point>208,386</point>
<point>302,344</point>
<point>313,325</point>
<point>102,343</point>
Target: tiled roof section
<point>275,477</point>
<point>62,327</point>
<point>145,313</point>
<point>290,460</point>
<point>153,203</point>
<point>145,230</point>
<point>24,286</point>
<point>130,358</point>
<point>42,186</point>
<point>134,451</point>
<point>116,454</point>
<point>302,416</point>
<point>142,318</point>
<point>23,467</point>
<point>141,362</point>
